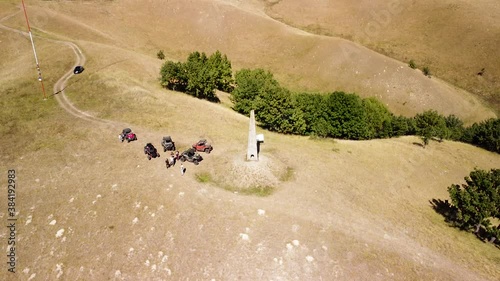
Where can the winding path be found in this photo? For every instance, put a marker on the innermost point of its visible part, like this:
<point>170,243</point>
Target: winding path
<point>60,85</point>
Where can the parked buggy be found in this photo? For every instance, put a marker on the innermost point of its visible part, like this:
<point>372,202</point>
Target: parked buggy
<point>203,145</point>
<point>167,144</point>
<point>127,135</point>
<point>151,151</point>
<point>191,155</point>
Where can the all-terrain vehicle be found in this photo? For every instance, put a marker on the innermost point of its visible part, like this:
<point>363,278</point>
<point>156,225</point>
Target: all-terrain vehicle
<point>167,144</point>
<point>127,135</point>
<point>191,155</point>
<point>151,151</point>
<point>203,145</point>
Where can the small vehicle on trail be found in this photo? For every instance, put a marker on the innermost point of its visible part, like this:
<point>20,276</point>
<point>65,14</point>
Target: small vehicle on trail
<point>78,69</point>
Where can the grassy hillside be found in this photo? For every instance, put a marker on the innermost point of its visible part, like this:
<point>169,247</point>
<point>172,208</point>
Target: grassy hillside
<point>91,207</point>
<point>455,39</point>
<point>300,60</point>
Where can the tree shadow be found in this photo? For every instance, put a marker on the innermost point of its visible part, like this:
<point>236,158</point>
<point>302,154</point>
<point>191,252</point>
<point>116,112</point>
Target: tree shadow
<point>449,212</point>
<point>214,99</point>
<point>445,209</point>
<point>419,144</point>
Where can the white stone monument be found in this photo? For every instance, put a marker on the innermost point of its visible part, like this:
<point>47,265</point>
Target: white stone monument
<point>252,152</point>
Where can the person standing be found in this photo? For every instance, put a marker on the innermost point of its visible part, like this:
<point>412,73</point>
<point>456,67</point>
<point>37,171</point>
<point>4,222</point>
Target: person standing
<point>182,169</point>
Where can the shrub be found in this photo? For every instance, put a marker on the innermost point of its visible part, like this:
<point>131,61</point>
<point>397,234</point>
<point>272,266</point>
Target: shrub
<point>160,55</point>
<point>412,64</point>
<point>426,71</point>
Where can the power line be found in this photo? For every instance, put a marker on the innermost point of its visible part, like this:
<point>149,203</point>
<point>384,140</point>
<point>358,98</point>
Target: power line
<point>34,51</point>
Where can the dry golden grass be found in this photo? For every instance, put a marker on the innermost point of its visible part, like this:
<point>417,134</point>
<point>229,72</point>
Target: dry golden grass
<point>360,210</point>
<point>300,60</point>
<point>455,39</point>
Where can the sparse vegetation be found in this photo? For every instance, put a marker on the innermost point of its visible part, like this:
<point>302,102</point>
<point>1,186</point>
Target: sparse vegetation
<point>426,71</point>
<point>203,177</point>
<point>412,64</point>
<point>288,175</point>
<point>261,191</point>
<point>160,55</point>
<point>22,115</point>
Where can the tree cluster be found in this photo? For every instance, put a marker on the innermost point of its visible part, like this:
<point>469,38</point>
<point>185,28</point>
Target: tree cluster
<point>347,116</point>
<point>274,106</point>
<point>199,76</point>
<point>476,204</point>
<point>336,115</point>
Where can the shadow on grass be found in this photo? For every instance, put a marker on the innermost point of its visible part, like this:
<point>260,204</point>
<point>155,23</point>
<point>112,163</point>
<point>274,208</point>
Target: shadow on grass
<point>419,144</point>
<point>449,212</point>
<point>444,208</point>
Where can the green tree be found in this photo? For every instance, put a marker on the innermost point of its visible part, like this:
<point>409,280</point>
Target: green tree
<point>173,76</point>
<point>430,124</point>
<point>455,127</point>
<point>477,200</point>
<point>277,111</point>
<point>378,118</point>
<point>347,116</point>
<point>399,126</point>
<point>221,68</point>
<point>250,85</point>
<point>485,134</point>
<point>201,80</point>
<point>315,114</point>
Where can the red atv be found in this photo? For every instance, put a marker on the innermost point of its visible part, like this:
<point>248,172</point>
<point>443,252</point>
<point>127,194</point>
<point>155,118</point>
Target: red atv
<point>203,145</point>
<point>127,135</point>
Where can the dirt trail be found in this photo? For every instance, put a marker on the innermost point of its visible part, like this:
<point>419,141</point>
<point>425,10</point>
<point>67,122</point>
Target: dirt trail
<point>60,85</point>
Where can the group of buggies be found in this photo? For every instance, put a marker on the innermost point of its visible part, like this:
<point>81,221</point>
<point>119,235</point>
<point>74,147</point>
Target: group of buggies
<point>190,155</point>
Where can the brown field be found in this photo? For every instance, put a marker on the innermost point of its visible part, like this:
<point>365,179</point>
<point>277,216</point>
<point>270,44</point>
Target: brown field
<point>455,39</point>
<point>92,208</point>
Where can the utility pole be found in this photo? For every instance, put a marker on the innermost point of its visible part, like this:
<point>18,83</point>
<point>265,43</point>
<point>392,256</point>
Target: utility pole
<point>34,52</point>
